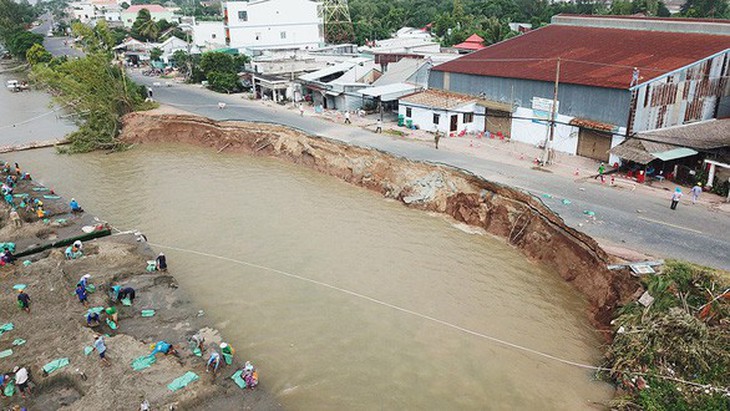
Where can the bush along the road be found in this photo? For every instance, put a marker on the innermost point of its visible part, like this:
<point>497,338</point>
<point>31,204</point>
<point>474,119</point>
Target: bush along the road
<point>683,334</point>
<point>95,89</point>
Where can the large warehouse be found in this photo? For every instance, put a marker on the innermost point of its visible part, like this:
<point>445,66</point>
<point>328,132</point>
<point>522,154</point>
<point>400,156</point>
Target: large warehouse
<point>618,75</point>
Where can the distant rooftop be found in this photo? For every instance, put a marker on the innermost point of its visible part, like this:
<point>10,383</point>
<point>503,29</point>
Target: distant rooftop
<point>152,8</point>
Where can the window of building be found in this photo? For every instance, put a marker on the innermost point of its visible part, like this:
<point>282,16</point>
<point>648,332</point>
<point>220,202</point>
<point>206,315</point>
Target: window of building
<point>468,118</point>
<point>408,112</point>
<point>436,118</point>
<point>283,35</point>
<point>243,15</point>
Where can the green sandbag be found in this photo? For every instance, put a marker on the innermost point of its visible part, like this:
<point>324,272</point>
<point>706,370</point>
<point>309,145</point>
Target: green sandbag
<point>41,189</point>
<point>6,353</point>
<point>127,302</point>
<point>197,352</point>
<point>20,287</point>
<point>6,327</point>
<point>18,341</point>
<point>96,310</point>
<point>228,358</point>
<point>9,389</point>
<point>26,263</point>
<point>182,382</point>
<point>148,313</point>
<point>238,379</point>
<point>61,220</point>
<point>91,288</point>
<point>21,195</point>
<point>143,362</point>
<point>111,324</point>
<point>9,246</point>
<point>51,197</point>
<point>55,365</point>
<point>88,350</point>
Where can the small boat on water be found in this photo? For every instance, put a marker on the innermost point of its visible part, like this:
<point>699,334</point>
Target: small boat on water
<point>17,86</point>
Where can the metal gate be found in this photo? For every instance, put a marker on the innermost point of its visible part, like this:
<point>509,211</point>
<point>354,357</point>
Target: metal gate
<point>594,144</point>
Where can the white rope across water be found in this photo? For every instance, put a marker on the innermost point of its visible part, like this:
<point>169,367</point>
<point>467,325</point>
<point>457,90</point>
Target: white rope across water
<point>436,320</point>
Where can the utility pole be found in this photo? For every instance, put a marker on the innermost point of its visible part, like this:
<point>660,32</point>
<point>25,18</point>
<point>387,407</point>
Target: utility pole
<point>548,155</point>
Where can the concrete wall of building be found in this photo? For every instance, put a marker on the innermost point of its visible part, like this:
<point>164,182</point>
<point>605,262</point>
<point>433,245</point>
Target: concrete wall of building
<point>423,117</point>
<point>208,32</point>
<point>688,95</point>
<point>593,103</point>
<point>274,23</point>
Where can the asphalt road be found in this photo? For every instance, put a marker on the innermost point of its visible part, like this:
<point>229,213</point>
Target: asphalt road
<point>57,46</point>
<point>693,233</point>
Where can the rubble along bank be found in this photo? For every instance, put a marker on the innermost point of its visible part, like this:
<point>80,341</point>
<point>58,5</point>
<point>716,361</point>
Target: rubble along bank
<point>519,218</point>
<point>56,327</point>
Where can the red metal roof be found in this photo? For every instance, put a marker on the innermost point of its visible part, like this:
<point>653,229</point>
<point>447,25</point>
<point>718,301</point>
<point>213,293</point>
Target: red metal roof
<point>474,42</point>
<point>589,56</point>
<point>638,17</point>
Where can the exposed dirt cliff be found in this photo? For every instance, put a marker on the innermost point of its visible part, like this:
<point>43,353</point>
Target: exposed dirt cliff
<point>521,219</point>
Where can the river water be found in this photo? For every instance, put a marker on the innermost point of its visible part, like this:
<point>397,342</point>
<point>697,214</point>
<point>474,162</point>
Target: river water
<point>316,347</point>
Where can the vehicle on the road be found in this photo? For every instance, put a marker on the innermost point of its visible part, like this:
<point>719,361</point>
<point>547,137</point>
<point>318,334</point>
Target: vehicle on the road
<point>16,86</point>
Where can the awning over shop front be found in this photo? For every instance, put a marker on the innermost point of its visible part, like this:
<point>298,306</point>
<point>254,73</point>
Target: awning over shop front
<point>675,154</point>
<point>391,92</point>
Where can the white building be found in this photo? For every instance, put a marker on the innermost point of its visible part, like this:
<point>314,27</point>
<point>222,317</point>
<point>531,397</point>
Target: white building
<point>82,11</point>
<point>157,13</point>
<point>447,113</point>
<point>208,34</point>
<point>268,24</point>
<point>405,40</point>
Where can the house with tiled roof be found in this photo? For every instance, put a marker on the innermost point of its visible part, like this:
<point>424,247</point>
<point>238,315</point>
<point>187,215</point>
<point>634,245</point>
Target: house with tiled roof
<point>616,76</point>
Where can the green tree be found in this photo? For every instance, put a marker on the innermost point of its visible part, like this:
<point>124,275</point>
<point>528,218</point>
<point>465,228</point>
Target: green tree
<point>155,54</point>
<point>144,28</point>
<point>223,82</point>
<point>705,8</point>
<point>18,43</point>
<point>38,54</point>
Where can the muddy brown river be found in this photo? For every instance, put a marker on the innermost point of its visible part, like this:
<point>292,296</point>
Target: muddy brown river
<point>320,348</point>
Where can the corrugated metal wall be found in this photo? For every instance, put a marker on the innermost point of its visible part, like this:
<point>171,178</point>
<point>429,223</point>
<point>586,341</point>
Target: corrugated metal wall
<point>685,96</point>
<point>593,103</point>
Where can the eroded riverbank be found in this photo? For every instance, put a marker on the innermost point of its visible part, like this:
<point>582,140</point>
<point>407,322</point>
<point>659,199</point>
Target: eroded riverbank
<point>522,220</point>
<point>320,348</point>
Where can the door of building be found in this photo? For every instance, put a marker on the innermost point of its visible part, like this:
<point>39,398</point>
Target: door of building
<point>593,144</point>
<point>454,122</point>
<point>498,122</point>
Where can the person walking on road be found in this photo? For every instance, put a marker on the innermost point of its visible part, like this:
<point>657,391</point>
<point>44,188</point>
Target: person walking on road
<point>696,191</point>
<point>379,126</point>
<point>601,170</point>
<point>675,198</point>
<point>436,139</point>
<point>301,110</point>
<point>347,118</point>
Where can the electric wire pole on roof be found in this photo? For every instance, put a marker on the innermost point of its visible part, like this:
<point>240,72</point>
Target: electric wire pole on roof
<point>337,23</point>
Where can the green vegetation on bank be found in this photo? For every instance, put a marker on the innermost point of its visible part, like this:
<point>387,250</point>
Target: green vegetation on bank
<point>94,88</point>
<point>684,334</point>
<point>219,69</point>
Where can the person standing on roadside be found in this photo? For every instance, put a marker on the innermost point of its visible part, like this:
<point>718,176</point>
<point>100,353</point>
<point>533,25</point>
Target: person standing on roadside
<point>379,126</point>
<point>347,118</point>
<point>436,139</point>
<point>675,198</point>
<point>696,191</point>
<point>15,217</point>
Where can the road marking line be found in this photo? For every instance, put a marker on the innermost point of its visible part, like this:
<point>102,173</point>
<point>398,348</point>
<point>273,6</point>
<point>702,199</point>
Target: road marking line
<point>671,225</point>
